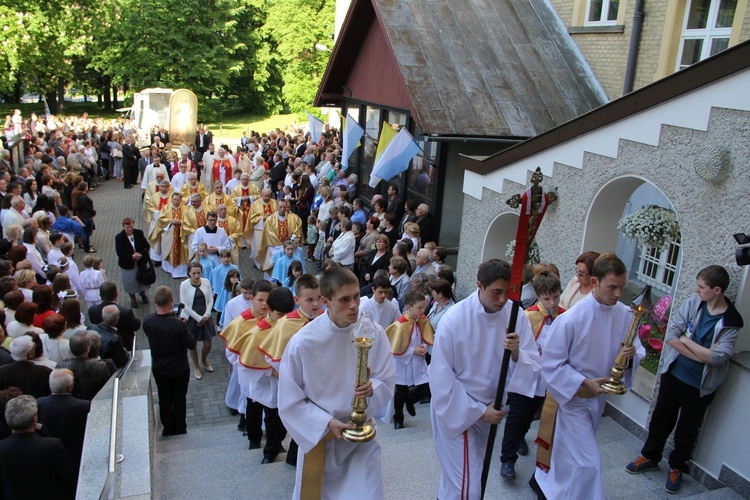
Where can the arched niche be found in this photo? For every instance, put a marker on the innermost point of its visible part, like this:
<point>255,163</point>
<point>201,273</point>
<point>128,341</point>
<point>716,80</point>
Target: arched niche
<point>501,231</point>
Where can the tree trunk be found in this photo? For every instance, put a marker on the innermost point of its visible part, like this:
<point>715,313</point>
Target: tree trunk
<point>106,94</point>
<point>114,97</point>
<point>51,101</point>
<point>17,91</point>
<point>60,96</point>
<point>99,100</point>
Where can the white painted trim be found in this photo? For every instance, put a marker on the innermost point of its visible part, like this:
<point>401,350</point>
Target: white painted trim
<point>691,110</point>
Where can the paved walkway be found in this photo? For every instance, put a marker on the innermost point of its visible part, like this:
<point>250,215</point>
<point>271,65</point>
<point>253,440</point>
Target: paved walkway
<point>212,460</point>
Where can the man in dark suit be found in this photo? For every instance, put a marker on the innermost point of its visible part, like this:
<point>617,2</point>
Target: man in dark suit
<point>112,346</point>
<point>23,373</point>
<point>424,221</point>
<point>278,172</point>
<point>130,157</point>
<point>33,466</point>
<point>395,205</point>
<point>90,374</point>
<point>202,139</point>
<point>127,324</point>
<point>63,415</point>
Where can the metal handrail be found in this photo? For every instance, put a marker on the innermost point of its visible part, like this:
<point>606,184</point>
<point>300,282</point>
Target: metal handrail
<point>112,460</point>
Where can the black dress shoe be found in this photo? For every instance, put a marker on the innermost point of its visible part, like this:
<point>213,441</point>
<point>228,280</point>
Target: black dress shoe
<point>157,263</point>
<point>410,409</point>
<point>254,445</point>
<point>266,460</point>
<point>508,470</point>
<point>144,299</point>
<point>134,304</point>
<point>398,425</point>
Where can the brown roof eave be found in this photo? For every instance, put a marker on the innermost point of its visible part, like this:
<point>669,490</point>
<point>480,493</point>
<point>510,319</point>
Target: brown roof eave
<point>709,70</point>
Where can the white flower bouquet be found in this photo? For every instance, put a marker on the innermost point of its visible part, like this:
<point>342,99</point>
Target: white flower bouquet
<point>651,226</point>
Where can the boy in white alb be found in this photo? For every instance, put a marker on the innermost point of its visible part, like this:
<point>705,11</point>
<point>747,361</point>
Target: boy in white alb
<point>384,312</point>
<point>410,335</point>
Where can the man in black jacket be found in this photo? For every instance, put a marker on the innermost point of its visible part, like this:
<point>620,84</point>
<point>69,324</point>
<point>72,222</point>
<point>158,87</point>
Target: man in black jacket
<point>33,466</point>
<point>112,344</point>
<point>63,415</point>
<point>169,340</point>
<point>90,374</point>
<point>278,172</point>
<point>130,157</point>
<point>23,373</point>
<point>126,325</point>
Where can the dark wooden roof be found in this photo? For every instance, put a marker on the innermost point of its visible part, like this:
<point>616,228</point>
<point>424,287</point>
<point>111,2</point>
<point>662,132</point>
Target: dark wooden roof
<point>498,68</point>
<point>707,71</point>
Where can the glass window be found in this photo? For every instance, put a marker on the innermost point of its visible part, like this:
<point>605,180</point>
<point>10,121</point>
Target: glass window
<point>599,12</point>
<point>658,268</point>
<point>422,175</point>
<point>706,30</point>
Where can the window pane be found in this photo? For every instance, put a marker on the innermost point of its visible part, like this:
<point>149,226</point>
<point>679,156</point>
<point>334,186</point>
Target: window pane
<point>698,15</point>
<point>719,44</point>
<point>614,5</point>
<point>726,14</point>
<point>595,10</point>
<point>372,129</point>
<point>423,174</point>
<point>691,52</point>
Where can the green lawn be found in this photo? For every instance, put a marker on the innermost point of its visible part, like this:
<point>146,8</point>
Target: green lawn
<point>230,127</point>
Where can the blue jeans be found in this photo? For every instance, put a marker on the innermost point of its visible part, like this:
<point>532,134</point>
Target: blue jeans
<point>88,228</point>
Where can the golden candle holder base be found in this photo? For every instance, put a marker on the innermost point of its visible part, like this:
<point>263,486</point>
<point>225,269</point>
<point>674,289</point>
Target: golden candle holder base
<point>364,430</point>
<point>640,307</point>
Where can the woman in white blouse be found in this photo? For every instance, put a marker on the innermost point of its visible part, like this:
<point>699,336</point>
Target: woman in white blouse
<point>343,247</point>
<point>196,296</point>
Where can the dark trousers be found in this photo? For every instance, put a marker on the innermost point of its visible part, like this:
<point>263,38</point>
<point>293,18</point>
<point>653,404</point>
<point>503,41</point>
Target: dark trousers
<point>129,174</point>
<point>310,250</point>
<point>517,423</point>
<point>275,433</point>
<point>675,397</point>
<point>88,228</point>
<point>291,455</point>
<point>253,421</point>
<point>407,394</point>
<point>173,402</point>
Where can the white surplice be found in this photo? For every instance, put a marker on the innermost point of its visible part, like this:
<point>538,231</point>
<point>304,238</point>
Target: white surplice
<point>582,343</point>
<point>234,398</point>
<point>411,369</point>
<point>219,239</point>
<point>464,372</point>
<point>234,307</point>
<point>384,314</point>
<point>316,384</point>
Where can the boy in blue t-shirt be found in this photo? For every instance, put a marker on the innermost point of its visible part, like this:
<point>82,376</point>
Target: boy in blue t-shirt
<point>702,335</point>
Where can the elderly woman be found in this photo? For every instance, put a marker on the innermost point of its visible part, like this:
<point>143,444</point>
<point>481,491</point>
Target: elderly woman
<point>367,243</point>
<point>380,258</point>
<point>342,249</point>
<point>132,249</point>
<point>580,285</point>
<point>14,233</point>
<point>42,235</point>
<point>26,280</point>
<point>196,295</point>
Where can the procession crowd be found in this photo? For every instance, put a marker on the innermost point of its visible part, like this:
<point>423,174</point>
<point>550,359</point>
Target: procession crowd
<point>335,267</point>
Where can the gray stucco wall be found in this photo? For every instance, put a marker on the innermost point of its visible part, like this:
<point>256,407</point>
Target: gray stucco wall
<point>709,213</point>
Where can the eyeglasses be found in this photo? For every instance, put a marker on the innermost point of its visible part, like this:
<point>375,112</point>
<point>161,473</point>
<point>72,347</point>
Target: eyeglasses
<point>580,274</point>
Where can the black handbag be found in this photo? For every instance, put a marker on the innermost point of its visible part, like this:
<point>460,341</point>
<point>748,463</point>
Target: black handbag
<point>146,274</point>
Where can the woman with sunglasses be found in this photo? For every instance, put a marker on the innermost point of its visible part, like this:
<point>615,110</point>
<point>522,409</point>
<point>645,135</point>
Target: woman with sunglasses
<point>580,285</point>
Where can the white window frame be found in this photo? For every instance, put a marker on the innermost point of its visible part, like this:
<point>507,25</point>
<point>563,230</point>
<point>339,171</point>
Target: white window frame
<point>658,259</point>
<point>708,34</point>
<point>605,10</point>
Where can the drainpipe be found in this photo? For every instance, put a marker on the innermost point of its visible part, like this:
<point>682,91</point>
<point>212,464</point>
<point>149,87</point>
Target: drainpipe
<point>635,39</point>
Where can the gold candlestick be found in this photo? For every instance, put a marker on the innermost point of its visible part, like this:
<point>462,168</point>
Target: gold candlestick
<point>640,307</point>
<point>364,338</point>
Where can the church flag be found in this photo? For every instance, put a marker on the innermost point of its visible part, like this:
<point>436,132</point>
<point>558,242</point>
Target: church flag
<point>316,127</point>
<point>353,132</point>
<point>386,136</point>
<point>395,159</point>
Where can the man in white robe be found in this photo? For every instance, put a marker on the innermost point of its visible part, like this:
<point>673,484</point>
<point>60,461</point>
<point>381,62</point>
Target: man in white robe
<point>315,393</point>
<point>215,238</point>
<point>149,175</point>
<point>581,346</point>
<point>464,372</point>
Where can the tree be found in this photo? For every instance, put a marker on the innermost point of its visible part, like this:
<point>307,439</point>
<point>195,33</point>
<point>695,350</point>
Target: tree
<point>305,23</point>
